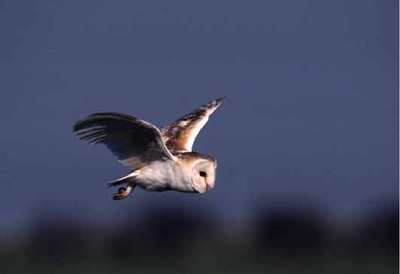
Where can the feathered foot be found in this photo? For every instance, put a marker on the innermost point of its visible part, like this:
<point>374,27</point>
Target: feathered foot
<point>123,192</point>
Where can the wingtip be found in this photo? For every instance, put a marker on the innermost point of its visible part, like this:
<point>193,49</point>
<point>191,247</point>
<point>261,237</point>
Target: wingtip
<point>220,99</point>
<point>76,126</point>
<point>213,105</point>
<point>217,102</point>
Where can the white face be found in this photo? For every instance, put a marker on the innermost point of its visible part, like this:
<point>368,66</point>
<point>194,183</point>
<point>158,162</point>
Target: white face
<point>203,175</point>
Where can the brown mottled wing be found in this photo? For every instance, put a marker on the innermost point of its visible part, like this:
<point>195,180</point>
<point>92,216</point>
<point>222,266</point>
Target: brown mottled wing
<point>134,141</point>
<point>180,135</point>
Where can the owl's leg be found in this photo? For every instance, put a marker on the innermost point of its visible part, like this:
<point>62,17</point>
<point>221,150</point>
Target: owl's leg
<point>123,192</point>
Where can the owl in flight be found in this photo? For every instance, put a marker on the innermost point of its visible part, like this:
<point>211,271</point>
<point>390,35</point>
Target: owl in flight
<point>161,159</point>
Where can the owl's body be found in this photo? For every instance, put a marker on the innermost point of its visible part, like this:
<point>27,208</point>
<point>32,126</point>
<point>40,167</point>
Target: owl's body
<point>161,160</point>
<point>167,175</point>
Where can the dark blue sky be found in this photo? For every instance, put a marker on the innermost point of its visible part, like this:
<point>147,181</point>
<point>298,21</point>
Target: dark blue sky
<point>311,114</point>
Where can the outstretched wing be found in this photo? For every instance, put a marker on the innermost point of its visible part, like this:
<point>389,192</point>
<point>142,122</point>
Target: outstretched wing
<point>132,140</point>
<point>180,135</point>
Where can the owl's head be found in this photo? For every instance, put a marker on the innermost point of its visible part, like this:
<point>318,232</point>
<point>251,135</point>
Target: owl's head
<point>200,171</point>
<point>203,174</point>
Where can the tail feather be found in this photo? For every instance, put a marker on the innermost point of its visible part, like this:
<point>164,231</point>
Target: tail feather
<point>116,183</point>
<point>126,179</point>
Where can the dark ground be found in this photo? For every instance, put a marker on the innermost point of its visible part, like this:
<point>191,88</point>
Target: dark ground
<point>176,240</point>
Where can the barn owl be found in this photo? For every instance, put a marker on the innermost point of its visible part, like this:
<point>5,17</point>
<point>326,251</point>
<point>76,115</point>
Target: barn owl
<point>161,159</point>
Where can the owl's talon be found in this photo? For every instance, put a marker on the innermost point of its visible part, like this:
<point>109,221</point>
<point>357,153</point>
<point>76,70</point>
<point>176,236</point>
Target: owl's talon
<point>122,193</point>
<point>119,196</point>
<point>121,190</point>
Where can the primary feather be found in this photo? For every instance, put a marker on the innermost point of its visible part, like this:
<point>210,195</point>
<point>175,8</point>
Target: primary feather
<point>181,134</point>
<point>132,140</point>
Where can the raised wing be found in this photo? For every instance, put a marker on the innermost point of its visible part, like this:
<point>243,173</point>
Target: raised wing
<point>132,140</point>
<point>180,135</point>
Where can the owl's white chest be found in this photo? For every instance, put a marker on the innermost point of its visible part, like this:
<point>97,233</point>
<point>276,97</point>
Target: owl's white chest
<point>164,175</point>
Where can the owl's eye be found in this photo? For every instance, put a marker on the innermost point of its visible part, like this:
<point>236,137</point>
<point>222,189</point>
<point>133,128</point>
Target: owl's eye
<point>202,174</point>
